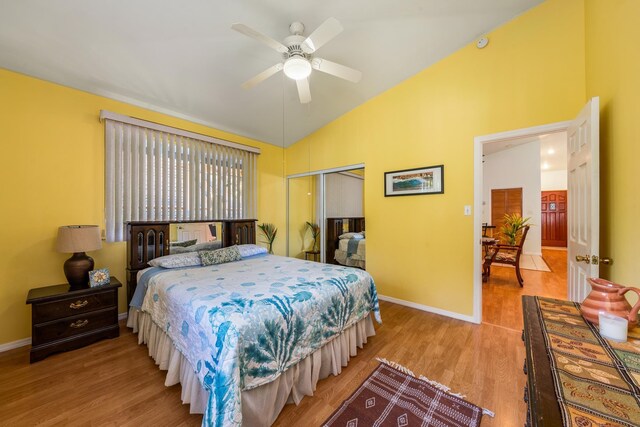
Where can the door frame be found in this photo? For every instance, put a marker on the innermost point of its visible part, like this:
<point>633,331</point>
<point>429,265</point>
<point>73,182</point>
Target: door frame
<point>478,176</point>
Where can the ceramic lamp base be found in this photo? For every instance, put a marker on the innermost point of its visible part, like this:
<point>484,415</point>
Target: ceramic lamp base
<point>77,268</point>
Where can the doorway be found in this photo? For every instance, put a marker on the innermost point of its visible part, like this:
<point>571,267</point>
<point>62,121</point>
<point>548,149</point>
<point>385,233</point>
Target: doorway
<point>531,190</point>
<point>583,179</point>
<point>553,209</point>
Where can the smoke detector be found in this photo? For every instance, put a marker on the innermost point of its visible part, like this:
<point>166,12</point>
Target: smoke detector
<point>482,43</point>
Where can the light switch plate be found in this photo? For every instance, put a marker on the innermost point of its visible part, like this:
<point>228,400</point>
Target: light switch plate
<point>467,210</point>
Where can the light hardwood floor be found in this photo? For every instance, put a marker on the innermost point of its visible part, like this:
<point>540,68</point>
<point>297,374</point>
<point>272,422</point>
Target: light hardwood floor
<point>501,295</point>
<point>114,382</point>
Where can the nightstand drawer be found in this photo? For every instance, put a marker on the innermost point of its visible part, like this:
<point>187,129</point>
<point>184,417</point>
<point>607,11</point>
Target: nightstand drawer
<point>72,306</point>
<point>75,325</point>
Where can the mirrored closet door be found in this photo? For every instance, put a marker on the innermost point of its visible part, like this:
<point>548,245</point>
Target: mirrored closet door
<point>323,207</point>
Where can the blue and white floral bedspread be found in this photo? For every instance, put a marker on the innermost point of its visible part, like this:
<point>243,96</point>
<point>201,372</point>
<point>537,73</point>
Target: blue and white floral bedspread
<point>242,324</point>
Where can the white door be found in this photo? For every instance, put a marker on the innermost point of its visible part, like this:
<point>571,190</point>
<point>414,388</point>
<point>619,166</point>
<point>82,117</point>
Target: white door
<point>583,157</point>
<point>193,231</point>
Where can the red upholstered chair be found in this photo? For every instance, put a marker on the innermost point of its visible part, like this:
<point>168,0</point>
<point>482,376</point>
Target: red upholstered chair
<point>506,254</point>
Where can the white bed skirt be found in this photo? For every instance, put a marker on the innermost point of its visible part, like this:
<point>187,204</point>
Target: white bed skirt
<point>261,405</point>
<point>352,261</point>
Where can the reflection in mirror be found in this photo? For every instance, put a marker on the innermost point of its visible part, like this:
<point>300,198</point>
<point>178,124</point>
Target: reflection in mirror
<point>344,206</point>
<point>201,232</point>
<point>303,208</point>
<point>140,247</point>
<point>333,204</point>
<point>151,244</point>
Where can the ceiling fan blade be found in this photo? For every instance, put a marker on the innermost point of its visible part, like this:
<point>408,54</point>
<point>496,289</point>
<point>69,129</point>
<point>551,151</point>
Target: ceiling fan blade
<point>241,28</point>
<point>325,32</point>
<point>262,76</point>
<point>303,91</point>
<point>337,70</point>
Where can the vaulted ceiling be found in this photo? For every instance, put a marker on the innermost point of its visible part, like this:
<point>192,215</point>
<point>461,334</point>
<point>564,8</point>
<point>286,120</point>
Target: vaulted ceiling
<point>182,58</point>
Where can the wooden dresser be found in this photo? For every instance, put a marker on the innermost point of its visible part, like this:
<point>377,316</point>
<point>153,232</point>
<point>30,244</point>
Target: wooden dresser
<point>63,320</point>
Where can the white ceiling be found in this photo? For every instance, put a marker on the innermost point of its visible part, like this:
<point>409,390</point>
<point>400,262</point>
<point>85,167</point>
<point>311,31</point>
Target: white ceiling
<point>553,152</point>
<point>553,149</point>
<point>182,58</point>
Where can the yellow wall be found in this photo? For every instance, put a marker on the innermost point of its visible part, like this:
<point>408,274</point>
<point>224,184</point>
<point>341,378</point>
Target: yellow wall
<point>52,174</point>
<point>419,248</point>
<point>613,73</point>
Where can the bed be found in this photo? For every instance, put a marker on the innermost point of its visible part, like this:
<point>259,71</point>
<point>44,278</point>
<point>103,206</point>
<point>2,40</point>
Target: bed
<point>342,252</point>
<point>246,337</point>
<point>351,250</point>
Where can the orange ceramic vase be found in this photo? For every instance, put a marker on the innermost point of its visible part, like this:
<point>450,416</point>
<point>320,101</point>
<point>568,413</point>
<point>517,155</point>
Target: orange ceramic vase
<point>608,297</point>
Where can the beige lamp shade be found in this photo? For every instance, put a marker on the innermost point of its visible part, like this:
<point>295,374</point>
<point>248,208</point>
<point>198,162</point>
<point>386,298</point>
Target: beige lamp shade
<point>78,238</point>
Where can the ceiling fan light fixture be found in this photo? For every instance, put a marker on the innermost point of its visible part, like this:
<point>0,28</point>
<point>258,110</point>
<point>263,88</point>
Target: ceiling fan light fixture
<point>297,68</point>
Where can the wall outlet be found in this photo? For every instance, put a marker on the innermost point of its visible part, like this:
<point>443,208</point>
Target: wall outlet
<point>467,210</point>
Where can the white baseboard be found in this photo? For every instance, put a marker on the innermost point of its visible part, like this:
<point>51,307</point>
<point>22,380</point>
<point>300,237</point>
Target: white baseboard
<point>428,309</point>
<point>15,344</point>
<point>27,341</point>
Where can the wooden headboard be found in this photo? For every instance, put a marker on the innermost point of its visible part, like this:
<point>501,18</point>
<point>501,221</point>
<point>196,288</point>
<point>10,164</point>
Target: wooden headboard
<point>149,240</point>
<point>335,227</point>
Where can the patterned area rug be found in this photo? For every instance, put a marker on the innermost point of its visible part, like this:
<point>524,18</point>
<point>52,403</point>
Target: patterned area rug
<point>597,380</point>
<point>393,396</point>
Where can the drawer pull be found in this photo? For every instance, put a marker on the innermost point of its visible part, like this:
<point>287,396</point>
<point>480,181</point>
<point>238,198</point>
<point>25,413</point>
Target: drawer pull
<point>79,323</point>
<point>78,304</point>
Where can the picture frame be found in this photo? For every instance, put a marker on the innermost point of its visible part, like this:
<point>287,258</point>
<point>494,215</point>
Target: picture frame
<point>413,182</point>
<point>99,277</point>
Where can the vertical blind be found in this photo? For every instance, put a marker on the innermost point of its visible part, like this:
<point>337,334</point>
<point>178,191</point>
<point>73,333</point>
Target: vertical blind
<point>153,174</point>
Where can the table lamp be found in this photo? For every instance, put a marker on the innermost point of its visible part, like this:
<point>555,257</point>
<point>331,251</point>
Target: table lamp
<point>78,239</point>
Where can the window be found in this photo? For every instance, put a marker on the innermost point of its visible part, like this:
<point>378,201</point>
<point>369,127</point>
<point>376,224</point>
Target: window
<point>158,173</point>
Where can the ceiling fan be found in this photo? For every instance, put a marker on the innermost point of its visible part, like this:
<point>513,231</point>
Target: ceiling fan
<point>298,56</point>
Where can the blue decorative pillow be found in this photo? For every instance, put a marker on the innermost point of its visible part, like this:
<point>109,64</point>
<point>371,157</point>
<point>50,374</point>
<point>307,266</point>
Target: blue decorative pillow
<point>247,251</point>
<point>220,256</point>
<point>188,259</point>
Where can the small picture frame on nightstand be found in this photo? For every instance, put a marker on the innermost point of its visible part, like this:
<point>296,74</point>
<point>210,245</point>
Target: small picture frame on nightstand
<point>99,277</point>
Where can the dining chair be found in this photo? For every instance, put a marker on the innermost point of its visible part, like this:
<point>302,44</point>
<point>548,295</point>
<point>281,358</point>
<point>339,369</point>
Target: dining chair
<point>506,254</point>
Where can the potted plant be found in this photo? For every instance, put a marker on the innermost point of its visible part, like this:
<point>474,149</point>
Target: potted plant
<point>510,230</point>
<point>315,232</point>
<point>270,231</point>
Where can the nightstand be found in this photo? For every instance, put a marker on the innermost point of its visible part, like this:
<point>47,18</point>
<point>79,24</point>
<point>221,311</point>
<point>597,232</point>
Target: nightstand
<point>314,255</point>
<point>63,320</point>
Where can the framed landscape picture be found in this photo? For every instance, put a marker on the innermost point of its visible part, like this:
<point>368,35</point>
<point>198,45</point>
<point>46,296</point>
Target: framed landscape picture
<point>410,182</point>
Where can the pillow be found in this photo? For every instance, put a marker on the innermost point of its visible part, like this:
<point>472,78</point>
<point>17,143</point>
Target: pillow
<point>184,243</point>
<point>247,251</point>
<point>362,232</point>
<point>216,244</point>
<point>220,256</point>
<point>351,236</point>
<point>188,259</point>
